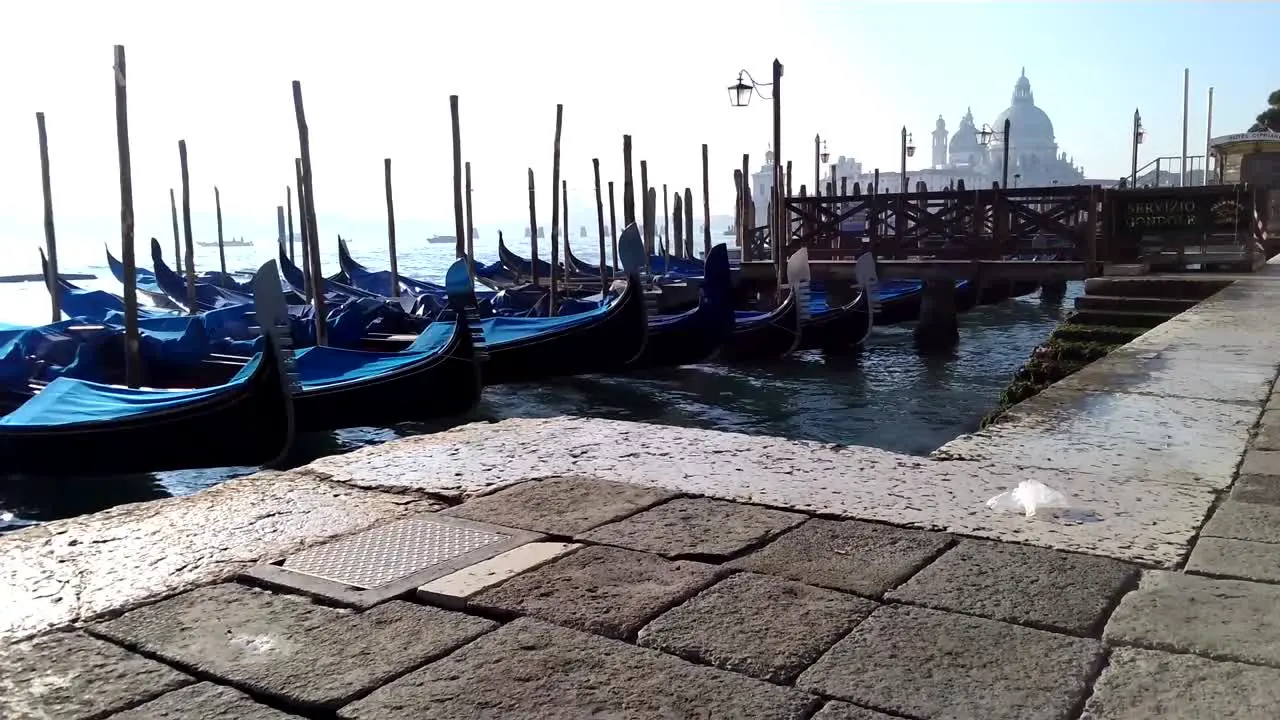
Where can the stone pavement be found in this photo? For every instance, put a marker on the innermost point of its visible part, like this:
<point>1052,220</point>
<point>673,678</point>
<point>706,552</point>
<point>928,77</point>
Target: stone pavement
<point>640,603</point>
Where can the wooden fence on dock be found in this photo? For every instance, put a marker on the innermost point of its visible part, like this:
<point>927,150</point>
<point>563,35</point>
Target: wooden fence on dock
<point>1071,230</point>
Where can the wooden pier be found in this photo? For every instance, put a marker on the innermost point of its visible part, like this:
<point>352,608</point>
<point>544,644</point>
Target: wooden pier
<point>1043,234</point>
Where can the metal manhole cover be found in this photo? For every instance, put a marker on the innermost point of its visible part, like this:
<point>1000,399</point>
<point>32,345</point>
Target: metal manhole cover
<point>382,555</point>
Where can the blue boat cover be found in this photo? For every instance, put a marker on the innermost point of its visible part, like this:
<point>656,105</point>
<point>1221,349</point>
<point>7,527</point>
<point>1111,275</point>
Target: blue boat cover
<point>68,401</point>
<point>320,367</point>
<point>500,330</point>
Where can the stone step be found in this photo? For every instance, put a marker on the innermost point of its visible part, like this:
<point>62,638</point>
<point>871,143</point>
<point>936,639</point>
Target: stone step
<point>1183,288</point>
<point>1118,318</point>
<point>1110,303</point>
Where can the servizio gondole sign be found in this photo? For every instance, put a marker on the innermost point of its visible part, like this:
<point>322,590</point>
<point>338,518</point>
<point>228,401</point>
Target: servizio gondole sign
<point>1149,214</point>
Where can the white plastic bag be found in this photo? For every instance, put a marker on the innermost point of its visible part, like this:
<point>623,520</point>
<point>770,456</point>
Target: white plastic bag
<point>1030,497</point>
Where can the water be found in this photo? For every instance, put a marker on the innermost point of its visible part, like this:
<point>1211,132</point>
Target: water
<point>885,396</point>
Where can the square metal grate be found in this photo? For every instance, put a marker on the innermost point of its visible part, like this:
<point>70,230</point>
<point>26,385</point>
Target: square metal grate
<point>382,555</point>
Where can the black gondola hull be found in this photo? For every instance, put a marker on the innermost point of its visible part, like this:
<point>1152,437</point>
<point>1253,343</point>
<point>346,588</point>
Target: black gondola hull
<point>838,328</point>
<point>764,338</point>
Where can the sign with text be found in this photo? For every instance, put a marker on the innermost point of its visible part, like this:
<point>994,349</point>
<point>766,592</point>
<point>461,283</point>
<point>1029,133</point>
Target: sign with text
<point>1170,211</point>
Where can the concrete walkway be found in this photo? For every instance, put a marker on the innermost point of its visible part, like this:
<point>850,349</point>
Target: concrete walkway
<point>581,568</point>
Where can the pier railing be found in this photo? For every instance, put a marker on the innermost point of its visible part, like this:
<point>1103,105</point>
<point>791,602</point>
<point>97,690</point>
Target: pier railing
<point>1074,228</point>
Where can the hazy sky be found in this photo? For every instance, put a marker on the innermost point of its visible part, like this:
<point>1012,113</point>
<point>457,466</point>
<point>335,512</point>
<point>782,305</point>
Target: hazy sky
<point>377,77</point>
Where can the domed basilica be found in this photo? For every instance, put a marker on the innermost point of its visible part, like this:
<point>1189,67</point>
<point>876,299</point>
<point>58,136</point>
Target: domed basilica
<point>1034,159</point>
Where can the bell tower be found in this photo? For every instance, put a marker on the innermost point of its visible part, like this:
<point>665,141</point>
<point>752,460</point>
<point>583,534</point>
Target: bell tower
<point>940,143</point>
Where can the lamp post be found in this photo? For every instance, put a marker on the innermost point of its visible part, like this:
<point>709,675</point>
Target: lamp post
<point>908,150</point>
<point>740,96</point>
<point>985,136</point>
<point>820,157</point>
<point>1138,134</point>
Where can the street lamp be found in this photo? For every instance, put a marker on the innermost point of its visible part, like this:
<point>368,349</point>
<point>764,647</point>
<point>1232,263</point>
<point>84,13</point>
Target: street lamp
<point>908,150</point>
<point>820,158</point>
<point>1138,134</point>
<point>985,135</point>
<point>739,96</point>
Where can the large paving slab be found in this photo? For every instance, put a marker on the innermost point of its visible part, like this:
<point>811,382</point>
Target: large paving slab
<point>1175,375</point>
<point>836,710</point>
<point>205,701</point>
<point>1236,559</point>
<point>530,670</point>
<point>1142,518</point>
<point>1259,489</point>
<point>71,676</point>
<point>564,506</point>
<point>1259,461</point>
<point>758,625</point>
<point>1165,439</point>
<point>70,570</point>
<point>289,648</point>
<point>849,555</point>
<point>1041,588</point>
<point>1145,684</point>
<point>1244,521</point>
<point>604,590</point>
<point>1268,436</point>
<point>926,663</point>
<point>1221,619</point>
<point>696,527</point>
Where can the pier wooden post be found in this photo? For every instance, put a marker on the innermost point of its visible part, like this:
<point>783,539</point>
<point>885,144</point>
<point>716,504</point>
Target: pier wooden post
<point>651,211</point>
<point>288,209</point>
<point>628,186</point>
<point>132,368</point>
<point>677,219</point>
<point>189,262</point>
<point>739,212</point>
<point>555,210</point>
<point>177,240</point>
<point>471,230</point>
<point>391,229</point>
<point>666,229</point>
<point>939,329</point>
<point>706,205</point>
<point>613,226</point>
<point>747,200</point>
<point>565,224</point>
<point>533,232</point>
<point>460,240</point>
<point>280,237</point>
<point>313,234</point>
<point>304,230</point>
<point>217,209</point>
<point>50,241</point>
<point>648,226</point>
<point>688,224</point>
<point>604,278</point>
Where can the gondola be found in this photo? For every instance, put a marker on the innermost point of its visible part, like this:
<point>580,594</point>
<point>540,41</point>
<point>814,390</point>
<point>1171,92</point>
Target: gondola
<point>95,305</point>
<point>379,281</point>
<point>838,328</point>
<point>769,336</point>
<point>524,268</point>
<point>78,427</point>
<point>437,376</point>
<point>145,281</point>
<point>693,336</point>
<point>604,339</point>
<point>334,290</point>
<point>208,296</point>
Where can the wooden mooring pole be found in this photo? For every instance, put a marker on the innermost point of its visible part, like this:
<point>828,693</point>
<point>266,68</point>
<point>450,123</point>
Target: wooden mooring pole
<point>280,237</point>
<point>555,209</point>
<point>533,231</point>
<point>132,367</point>
<point>217,208</point>
<point>303,229</point>
<point>647,212</point>
<point>613,227</point>
<point>391,229</point>
<point>288,209</point>
<point>604,278</point>
<point>50,241</point>
<point>460,240</point>
<point>313,236</point>
<point>687,251</point>
<point>666,229</point>
<point>471,230</point>
<point>564,223</point>
<point>189,261</point>
<point>177,239</point>
<point>706,205</point>
<point>628,186</point>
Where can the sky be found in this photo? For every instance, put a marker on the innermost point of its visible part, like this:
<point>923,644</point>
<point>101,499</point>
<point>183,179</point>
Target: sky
<point>376,80</point>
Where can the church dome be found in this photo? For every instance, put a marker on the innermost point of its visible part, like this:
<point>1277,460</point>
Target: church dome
<point>1028,124</point>
<point>965,138</point>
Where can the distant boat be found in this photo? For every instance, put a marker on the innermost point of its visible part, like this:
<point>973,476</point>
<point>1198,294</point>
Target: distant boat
<point>238,242</point>
<point>442,239</point>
